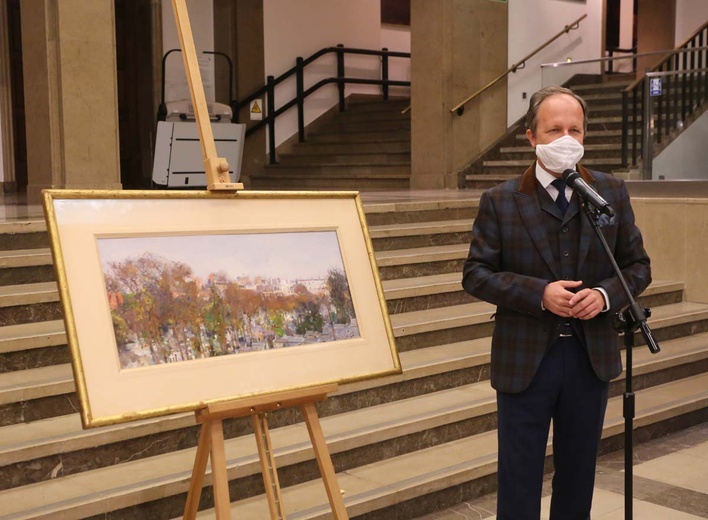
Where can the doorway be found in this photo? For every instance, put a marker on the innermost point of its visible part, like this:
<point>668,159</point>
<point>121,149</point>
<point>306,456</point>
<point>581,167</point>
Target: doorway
<point>137,108</point>
<point>18,181</point>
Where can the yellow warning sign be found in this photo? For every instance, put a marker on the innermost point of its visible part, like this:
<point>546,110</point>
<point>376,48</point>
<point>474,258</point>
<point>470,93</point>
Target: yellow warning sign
<point>256,111</point>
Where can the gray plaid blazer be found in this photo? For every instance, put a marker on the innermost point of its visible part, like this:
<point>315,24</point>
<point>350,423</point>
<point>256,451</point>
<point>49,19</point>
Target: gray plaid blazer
<point>510,262</point>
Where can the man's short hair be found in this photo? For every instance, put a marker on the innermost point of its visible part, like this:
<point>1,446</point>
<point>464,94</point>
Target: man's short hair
<point>540,96</point>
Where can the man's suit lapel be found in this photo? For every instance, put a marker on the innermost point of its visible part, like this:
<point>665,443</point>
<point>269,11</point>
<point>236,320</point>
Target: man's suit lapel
<point>529,209</point>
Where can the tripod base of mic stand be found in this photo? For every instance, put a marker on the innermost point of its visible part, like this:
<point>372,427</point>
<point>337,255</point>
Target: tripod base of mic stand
<point>624,322</point>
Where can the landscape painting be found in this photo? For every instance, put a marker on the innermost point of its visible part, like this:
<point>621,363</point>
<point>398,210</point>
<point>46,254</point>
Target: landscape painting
<point>181,298</point>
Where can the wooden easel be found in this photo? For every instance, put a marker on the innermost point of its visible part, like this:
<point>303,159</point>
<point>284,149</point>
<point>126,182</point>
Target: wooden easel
<point>216,168</point>
<point>211,443</point>
<point>211,438</point>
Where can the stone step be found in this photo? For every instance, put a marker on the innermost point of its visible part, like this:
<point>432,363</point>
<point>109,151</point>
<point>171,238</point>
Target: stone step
<point>362,137</point>
<point>404,486</point>
<point>420,234</point>
<point>593,122</point>
<point>354,115</point>
<point>27,385</point>
<point>362,176</point>
<point>606,147</point>
<point>421,261</point>
<point>28,336</point>
<point>23,234</point>
<point>604,97</point>
<point>296,159</point>
<point>308,148</point>
<point>33,345</point>
<point>25,258</point>
<point>485,181</point>
<point>124,485</point>
<point>440,290</point>
<point>21,266</point>
<point>360,103</point>
<point>29,303</point>
<point>590,134</point>
<point>523,163</point>
<point>307,182</point>
<point>425,328</point>
<point>28,294</point>
<point>361,169</point>
<point>421,210</point>
<point>594,88</point>
<point>340,127</point>
<point>424,292</point>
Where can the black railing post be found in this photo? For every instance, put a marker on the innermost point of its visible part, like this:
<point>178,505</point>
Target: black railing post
<point>300,89</point>
<point>625,127</point>
<point>676,113</point>
<point>384,73</point>
<point>640,114</point>
<point>684,96</point>
<point>669,108</point>
<point>634,123</point>
<point>271,118</point>
<point>340,75</point>
<point>660,112</point>
<point>699,95</point>
<point>691,77</point>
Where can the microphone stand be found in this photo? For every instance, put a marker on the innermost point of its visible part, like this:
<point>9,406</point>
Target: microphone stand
<point>634,317</point>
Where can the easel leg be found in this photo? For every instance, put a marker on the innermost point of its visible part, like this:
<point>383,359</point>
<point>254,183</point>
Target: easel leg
<point>324,461</point>
<point>200,464</point>
<point>268,469</point>
<point>220,480</point>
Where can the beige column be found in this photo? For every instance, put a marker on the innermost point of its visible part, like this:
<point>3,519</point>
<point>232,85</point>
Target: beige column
<point>457,47</point>
<point>71,103</point>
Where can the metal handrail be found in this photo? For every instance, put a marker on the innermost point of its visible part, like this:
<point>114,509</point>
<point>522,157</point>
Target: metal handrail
<point>306,61</point>
<point>682,45</point>
<point>683,95</point>
<point>615,58</point>
<point>301,93</point>
<point>648,141</point>
<point>460,107</point>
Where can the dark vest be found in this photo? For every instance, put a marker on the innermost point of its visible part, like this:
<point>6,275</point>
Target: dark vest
<point>564,238</point>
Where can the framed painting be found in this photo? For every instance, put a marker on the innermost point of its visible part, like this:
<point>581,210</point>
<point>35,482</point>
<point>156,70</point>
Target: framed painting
<point>173,300</point>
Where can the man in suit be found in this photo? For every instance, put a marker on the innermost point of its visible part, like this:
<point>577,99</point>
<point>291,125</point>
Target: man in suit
<point>535,256</point>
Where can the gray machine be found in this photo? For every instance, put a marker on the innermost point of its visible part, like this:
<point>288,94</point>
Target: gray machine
<point>178,154</point>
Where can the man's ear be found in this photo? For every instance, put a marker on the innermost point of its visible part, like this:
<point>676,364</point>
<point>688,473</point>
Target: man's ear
<point>531,137</point>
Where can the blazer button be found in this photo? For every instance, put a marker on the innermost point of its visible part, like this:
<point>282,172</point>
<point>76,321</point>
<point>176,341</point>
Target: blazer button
<point>566,253</point>
<point>565,229</point>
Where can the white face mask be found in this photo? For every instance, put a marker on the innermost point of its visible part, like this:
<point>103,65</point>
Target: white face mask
<point>561,154</point>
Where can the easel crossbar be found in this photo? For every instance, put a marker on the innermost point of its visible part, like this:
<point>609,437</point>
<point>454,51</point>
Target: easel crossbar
<point>264,403</point>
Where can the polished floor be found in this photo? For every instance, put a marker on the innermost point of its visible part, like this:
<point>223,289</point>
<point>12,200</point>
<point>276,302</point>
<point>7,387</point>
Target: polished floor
<point>670,483</point>
<point>13,207</point>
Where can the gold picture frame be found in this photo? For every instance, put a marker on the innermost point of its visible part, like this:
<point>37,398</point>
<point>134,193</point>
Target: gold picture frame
<point>99,237</point>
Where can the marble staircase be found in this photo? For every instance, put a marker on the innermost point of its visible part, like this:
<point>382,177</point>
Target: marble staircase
<point>366,147</point>
<point>402,445</point>
<point>513,154</point>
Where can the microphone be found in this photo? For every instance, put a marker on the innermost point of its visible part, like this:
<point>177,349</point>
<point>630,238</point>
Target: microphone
<point>576,182</point>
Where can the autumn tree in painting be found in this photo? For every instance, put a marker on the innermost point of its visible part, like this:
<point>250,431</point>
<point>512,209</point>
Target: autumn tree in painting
<point>163,313</point>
